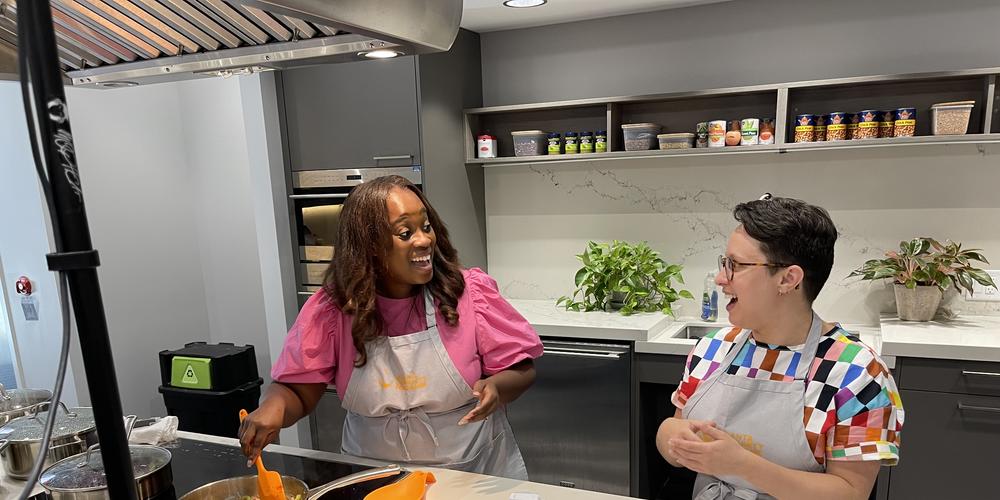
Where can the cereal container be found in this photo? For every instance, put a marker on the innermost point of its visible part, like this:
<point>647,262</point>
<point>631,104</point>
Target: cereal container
<point>836,126</point>
<point>820,133</point>
<point>852,125</point>
<point>555,144</point>
<point>885,126</point>
<point>951,118</point>
<point>767,131</point>
<point>868,124</point>
<point>734,135</point>
<point>805,128</point>
<point>601,141</point>
<point>586,142</point>
<point>701,135</point>
<point>570,143</point>
<point>716,133</point>
<point>906,122</point>
<point>750,130</point>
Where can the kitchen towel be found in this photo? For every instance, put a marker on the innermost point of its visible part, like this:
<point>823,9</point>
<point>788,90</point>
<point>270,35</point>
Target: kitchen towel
<point>163,430</point>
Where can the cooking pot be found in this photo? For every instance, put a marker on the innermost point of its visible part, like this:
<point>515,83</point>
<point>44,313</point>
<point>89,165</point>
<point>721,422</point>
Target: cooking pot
<point>81,477</point>
<point>18,402</point>
<point>21,438</point>
<point>236,488</point>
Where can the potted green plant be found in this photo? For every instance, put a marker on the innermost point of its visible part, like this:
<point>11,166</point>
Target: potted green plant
<point>625,277</point>
<point>922,270</point>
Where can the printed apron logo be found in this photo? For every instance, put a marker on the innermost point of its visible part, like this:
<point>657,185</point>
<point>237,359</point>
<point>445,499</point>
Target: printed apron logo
<point>408,382</point>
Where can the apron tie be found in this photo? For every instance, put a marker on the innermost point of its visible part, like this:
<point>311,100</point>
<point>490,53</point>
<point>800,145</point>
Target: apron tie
<point>403,419</point>
<point>720,489</point>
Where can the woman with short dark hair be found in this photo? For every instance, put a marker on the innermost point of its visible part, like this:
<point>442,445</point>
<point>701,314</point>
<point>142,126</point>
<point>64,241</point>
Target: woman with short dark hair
<point>424,354</point>
<point>784,404</point>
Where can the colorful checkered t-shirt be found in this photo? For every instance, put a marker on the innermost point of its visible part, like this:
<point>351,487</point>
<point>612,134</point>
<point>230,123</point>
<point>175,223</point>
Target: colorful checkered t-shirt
<point>852,406</point>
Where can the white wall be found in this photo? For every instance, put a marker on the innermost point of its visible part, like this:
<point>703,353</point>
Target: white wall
<point>539,216</point>
<point>24,241</point>
<point>166,180</point>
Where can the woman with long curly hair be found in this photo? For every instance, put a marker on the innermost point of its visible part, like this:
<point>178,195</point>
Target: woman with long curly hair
<point>424,354</point>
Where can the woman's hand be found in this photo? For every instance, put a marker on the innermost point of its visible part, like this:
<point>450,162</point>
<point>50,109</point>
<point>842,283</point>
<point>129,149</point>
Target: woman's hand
<point>720,455</point>
<point>259,429</point>
<point>675,428</point>
<point>489,398</point>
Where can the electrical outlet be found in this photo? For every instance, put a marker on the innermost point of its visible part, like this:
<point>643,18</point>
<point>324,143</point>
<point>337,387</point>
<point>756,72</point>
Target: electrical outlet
<point>986,294</point>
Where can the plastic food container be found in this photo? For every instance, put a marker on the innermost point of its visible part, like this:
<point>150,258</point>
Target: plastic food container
<point>951,118</point>
<point>640,136</point>
<point>529,142</point>
<point>676,141</point>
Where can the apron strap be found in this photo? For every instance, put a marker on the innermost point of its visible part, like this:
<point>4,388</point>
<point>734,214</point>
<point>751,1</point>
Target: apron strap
<point>809,349</point>
<point>429,311</point>
<point>403,419</point>
<point>720,489</point>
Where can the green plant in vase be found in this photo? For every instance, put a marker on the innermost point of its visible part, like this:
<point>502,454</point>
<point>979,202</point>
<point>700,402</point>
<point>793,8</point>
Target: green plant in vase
<point>625,277</point>
<point>922,270</point>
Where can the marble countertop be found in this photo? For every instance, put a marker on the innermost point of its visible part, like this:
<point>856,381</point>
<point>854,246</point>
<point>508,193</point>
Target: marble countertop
<point>974,338</point>
<point>450,484</point>
<point>551,320</point>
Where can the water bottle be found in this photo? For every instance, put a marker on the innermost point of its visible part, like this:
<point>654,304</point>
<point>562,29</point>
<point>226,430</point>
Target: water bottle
<point>710,299</point>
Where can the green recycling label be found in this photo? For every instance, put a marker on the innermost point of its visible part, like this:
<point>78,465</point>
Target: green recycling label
<point>191,373</point>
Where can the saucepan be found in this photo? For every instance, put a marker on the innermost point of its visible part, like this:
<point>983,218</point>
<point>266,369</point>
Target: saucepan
<point>19,402</point>
<point>21,438</point>
<point>240,488</point>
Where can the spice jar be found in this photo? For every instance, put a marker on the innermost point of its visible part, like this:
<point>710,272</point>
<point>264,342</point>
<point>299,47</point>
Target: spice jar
<point>555,146</point>
<point>868,124</point>
<point>733,135</point>
<point>767,131</point>
<point>906,122</point>
<point>716,133</point>
<point>586,142</point>
<point>819,133</point>
<point>601,141</point>
<point>701,135</point>
<point>836,126</point>
<point>570,144</point>
<point>886,125</point>
<point>805,128</point>
<point>749,129</point>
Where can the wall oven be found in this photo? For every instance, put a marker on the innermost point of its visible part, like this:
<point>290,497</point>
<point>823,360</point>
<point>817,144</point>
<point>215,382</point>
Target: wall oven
<point>316,200</point>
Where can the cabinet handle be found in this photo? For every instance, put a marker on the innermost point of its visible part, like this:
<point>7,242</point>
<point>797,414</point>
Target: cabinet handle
<point>583,354</point>
<point>396,157</point>
<point>987,409</point>
<point>980,374</point>
<point>332,196</point>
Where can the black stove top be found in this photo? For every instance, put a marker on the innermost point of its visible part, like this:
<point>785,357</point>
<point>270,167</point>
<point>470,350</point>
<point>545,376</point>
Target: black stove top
<point>195,463</point>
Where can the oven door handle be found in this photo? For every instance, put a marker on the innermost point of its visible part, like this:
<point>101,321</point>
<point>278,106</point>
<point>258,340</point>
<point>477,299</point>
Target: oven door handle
<point>332,196</point>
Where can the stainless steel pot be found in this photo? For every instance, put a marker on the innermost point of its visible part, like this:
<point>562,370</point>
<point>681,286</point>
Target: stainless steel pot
<point>236,488</point>
<point>21,439</point>
<point>81,477</point>
<point>16,403</point>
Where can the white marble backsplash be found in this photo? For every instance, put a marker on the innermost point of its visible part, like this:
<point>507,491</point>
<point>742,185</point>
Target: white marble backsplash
<point>540,215</point>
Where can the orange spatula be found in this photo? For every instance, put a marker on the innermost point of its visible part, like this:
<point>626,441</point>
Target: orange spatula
<point>411,487</point>
<point>269,485</point>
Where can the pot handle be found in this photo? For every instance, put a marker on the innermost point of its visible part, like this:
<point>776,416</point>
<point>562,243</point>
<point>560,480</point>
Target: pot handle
<point>129,423</point>
<point>360,477</point>
<point>3,444</point>
<point>3,393</point>
<point>34,409</point>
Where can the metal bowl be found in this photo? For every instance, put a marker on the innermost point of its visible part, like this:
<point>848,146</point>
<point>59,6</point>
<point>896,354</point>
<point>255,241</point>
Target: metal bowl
<point>236,488</point>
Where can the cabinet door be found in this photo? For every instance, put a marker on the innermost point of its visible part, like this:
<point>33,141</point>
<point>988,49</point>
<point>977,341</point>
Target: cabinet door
<point>352,115</point>
<point>573,424</point>
<point>327,423</point>
<point>948,447</point>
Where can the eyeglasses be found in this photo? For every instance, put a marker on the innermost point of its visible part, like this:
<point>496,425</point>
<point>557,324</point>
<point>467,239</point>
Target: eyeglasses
<point>729,265</point>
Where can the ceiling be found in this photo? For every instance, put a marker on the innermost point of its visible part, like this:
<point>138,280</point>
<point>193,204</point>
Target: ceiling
<point>490,15</point>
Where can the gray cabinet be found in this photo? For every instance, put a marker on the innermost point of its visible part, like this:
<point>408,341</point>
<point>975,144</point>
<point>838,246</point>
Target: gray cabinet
<point>326,423</point>
<point>352,115</point>
<point>951,429</point>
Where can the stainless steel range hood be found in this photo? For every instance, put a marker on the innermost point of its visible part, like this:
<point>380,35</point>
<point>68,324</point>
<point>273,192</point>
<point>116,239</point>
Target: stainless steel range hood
<point>116,43</point>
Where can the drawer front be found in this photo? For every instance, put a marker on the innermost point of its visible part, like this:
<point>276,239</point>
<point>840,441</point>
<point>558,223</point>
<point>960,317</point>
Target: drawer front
<point>954,376</point>
<point>948,447</point>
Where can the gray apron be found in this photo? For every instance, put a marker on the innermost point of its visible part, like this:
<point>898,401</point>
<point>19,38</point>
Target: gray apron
<point>765,416</point>
<point>404,405</point>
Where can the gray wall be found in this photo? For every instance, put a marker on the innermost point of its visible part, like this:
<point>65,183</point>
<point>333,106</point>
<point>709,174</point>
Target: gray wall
<point>737,43</point>
<point>450,82</point>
